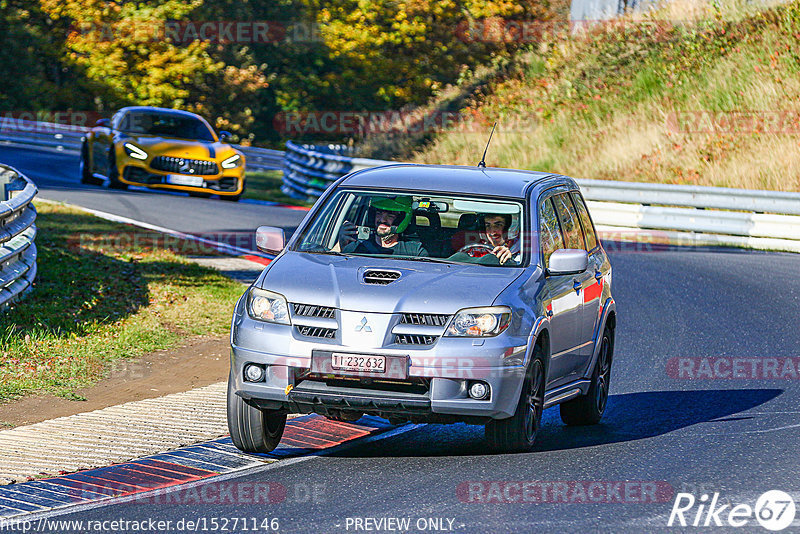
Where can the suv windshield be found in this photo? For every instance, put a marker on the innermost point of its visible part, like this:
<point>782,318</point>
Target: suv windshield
<point>166,125</point>
<point>418,227</point>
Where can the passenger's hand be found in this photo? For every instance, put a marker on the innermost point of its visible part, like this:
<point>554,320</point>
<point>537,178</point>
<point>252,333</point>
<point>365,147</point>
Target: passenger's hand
<point>502,253</point>
<point>347,233</point>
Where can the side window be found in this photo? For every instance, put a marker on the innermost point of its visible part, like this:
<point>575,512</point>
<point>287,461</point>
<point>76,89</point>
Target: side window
<point>588,228</point>
<point>569,222</point>
<point>549,232</point>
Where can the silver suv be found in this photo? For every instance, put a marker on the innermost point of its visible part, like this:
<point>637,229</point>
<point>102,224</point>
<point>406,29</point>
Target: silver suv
<point>428,294</point>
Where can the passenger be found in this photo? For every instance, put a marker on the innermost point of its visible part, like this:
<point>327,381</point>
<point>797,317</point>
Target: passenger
<point>496,235</point>
<point>392,217</point>
<point>493,244</point>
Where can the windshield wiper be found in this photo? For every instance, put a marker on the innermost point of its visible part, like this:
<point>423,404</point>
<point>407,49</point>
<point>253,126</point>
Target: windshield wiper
<point>405,258</point>
<point>323,252</point>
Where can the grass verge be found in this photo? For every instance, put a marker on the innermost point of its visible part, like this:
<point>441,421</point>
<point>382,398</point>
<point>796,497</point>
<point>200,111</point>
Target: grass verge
<point>266,185</point>
<point>701,93</point>
<point>104,291</point>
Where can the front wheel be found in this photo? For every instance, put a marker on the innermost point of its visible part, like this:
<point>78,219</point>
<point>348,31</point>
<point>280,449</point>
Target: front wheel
<point>113,172</point>
<point>518,432</point>
<point>588,409</point>
<point>253,429</point>
<point>87,176</point>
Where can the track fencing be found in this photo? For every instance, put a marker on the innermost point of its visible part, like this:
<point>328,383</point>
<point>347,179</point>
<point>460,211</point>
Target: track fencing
<point>17,234</point>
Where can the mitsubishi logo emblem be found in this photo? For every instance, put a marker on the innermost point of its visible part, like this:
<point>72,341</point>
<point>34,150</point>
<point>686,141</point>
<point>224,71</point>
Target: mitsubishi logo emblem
<point>363,326</point>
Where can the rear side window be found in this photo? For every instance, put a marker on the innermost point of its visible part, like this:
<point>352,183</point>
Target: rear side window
<point>549,232</point>
<point>588,227</point>
<point>573,235</point>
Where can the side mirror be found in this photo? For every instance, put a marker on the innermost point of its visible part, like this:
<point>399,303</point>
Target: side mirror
<point>103,123</point>
<point>223,135</point>
<point>270,239</point>
<point>568,261</point>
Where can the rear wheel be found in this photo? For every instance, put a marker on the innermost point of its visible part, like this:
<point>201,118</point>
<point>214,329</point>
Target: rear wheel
<point>253,429</point>
<point>588,409</point>
<point>113,172</point>
<point>87,176</point>
<point>518,433</point>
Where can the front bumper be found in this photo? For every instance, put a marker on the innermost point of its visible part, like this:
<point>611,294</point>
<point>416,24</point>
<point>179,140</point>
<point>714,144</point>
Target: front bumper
<point>226,183</point>
<point>435,387</point>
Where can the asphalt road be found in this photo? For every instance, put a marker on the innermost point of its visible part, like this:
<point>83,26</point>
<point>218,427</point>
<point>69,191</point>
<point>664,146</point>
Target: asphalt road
<point>663,433</point>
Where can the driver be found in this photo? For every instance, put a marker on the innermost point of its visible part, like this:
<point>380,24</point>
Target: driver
<point>392,217</point>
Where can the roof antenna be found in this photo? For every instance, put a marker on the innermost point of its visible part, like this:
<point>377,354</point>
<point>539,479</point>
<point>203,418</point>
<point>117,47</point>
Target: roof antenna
<point>482,164</point>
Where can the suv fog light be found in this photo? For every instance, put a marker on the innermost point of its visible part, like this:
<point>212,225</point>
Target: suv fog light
<point>253,373</point>
<point>479,390</point>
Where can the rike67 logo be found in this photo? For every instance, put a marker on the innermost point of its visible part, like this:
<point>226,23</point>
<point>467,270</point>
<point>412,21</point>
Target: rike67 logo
<point>774,510</point>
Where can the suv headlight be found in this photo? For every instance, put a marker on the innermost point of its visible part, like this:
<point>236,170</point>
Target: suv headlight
<point>267,306</point>
<point>480,322</point>
<point>231,162</point>
<point>134,151</point>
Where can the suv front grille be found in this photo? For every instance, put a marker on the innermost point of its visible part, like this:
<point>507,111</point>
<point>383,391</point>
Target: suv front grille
<point>184,166</point>
<point>309,310</point>
<point>313,331</point>
<point>411,339</point>
<point>427,319</point>
<point>374,276</point>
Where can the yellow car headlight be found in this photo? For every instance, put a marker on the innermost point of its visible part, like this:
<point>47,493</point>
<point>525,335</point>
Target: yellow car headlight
<point>231,162</point>
<point>134,151</point>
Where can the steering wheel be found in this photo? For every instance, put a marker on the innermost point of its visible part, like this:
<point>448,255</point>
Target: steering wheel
<point>476,250</point>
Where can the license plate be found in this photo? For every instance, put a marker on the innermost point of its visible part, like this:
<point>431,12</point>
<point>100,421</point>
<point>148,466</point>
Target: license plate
<point>358,362</point>
<point>182,179</point>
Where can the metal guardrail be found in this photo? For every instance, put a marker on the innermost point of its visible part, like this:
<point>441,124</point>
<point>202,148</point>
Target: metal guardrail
<point>308,170</point>
<point>67,139</point>
<point>17,234</point>
<point>706,215</point>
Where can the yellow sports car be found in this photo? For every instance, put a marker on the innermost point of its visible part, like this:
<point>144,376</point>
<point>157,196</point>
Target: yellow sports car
<point>164,149</point>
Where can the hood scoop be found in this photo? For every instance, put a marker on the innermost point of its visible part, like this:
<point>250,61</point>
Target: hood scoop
<point>380,277</point>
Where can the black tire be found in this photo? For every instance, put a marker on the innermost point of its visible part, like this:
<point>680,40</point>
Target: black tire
<point>253,429</point>
<point>518,433</point>
<point>87,176</point>
<point>113,172</point>
<point>588,409</point>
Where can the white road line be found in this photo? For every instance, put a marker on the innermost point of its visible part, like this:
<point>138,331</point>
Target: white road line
<point>217,245</point>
